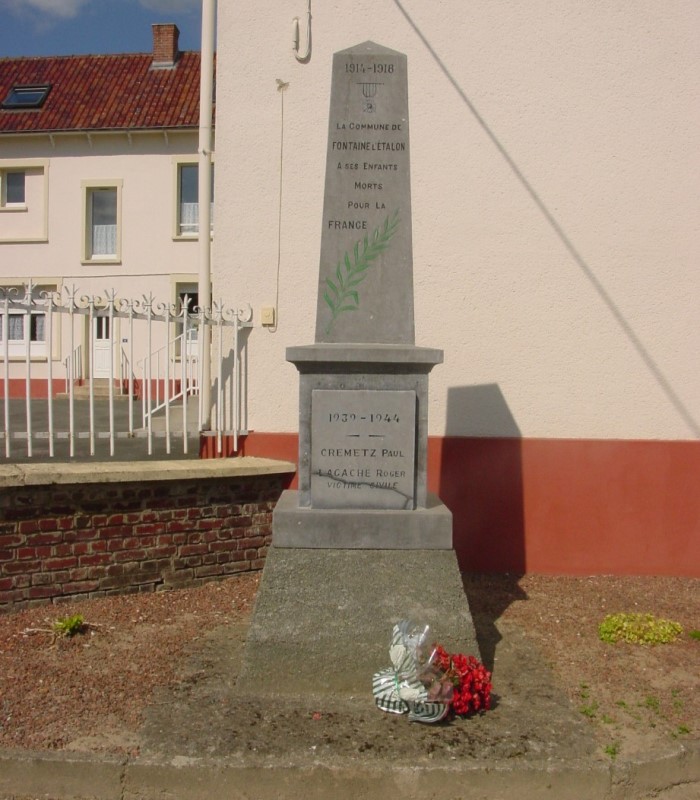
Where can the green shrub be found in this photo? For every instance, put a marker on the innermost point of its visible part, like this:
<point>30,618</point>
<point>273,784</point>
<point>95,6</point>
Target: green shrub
<point>69,626</point>
<point>638,629</point>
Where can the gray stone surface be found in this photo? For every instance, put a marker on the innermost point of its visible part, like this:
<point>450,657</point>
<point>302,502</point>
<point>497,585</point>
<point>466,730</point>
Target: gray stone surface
<point>428,528</point>
<point>366,268</point>
<point>363,448</point>
<point>324,617</point>
<point>364,367</point>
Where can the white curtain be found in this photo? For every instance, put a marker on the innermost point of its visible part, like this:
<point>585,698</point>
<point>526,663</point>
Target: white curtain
<point>189,217</point>
<point>15,328</point>
<point>40,327</point>
<point>104,240</point>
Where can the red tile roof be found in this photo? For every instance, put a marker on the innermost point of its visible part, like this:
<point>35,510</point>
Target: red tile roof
<point>103,92</point>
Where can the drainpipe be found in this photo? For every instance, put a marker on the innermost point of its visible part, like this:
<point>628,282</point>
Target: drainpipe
<point>206,87</point>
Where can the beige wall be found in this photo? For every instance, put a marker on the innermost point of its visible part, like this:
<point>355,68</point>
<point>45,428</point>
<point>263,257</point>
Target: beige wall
<point>151,258</point>
<point>555,152</point>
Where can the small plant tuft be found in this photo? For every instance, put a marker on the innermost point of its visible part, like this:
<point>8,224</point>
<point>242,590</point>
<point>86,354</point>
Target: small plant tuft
<point>638,629</point>
<point>612,750</point>
<point>69,626</point>
<point>695,635</point>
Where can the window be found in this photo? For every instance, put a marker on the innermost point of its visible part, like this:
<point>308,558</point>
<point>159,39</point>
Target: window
<point>30,96</point>
<point>12,192</point>
<point>188,200</point>
<point>102,218</point>
<point>23,326</point>
<point>24,203</point>
<point>188,292</point>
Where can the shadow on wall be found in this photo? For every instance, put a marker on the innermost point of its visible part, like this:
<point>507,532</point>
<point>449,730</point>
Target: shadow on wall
<point>480,480</point>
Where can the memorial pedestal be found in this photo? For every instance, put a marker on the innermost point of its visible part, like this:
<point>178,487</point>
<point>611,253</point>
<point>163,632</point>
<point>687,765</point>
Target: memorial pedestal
<point>428,528</point>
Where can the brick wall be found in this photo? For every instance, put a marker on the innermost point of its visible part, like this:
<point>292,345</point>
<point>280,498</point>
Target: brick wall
<point>96,539</point>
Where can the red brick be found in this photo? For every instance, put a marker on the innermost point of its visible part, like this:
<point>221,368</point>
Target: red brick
<point>28,526</point>
<point>25,552</point>
<point>193,549</point>
<point>209,571</point>
<point>79,587</point>
<point>164,551</point>
<point>210,524</point>
<point>241,522</point>
<point>67,562</point>
<point>218,547</point>
<point>150,529</point>
<point>11,540</point>
<point>252,541</point>
<point>48,524</point>
<point>178,527</point>
<point>52,537</point>
<point>6,584</point>
<point>19,567</point>
<point>37,592</point>
<point>115,531</point>
<point>127,555</point>
<point>12,596</point>
<point>94,559</point>
<point>240,566</point>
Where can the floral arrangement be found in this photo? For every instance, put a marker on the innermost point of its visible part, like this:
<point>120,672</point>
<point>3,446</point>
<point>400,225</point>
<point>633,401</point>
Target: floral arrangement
<point>462,681</point>
<point>428,682</point>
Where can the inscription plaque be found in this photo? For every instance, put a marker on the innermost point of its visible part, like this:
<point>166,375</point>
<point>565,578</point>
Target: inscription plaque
<point>363,448</point>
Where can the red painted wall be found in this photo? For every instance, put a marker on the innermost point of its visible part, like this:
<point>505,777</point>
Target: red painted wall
<point>559,506</point>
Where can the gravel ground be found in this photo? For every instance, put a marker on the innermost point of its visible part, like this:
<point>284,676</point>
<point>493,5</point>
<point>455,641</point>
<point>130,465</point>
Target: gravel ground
<point>144,658</point>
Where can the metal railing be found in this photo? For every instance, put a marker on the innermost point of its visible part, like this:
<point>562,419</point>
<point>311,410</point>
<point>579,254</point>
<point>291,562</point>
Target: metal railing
<point>158,362</point>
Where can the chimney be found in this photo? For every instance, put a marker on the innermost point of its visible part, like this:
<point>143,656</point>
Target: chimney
<point>165,49</point>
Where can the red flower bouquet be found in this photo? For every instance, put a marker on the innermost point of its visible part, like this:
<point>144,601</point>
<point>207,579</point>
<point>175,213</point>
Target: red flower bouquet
<point>462,681</point>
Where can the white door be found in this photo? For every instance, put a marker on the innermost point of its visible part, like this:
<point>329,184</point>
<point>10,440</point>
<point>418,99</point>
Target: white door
<point>101,347</point>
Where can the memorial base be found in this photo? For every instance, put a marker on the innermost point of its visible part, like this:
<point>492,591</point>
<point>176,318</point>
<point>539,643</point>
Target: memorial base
<point>323,618</point>
<point>427,528</point>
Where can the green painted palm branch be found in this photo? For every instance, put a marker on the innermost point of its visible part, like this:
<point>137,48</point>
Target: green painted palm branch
<point>342,294</point>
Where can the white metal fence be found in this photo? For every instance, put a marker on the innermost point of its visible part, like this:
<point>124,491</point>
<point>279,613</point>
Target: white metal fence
<point>81,368</point>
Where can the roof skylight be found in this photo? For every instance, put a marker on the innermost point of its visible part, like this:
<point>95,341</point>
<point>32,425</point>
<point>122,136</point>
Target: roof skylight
<point>26,96</point>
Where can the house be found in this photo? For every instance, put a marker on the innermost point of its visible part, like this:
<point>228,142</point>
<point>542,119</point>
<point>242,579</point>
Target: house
<point>554,167</point>
<point>98,196</point>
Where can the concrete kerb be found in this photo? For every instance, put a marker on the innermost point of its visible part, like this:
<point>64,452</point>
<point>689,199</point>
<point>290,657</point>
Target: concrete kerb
<point>42,474</point>
<point>79,776</point>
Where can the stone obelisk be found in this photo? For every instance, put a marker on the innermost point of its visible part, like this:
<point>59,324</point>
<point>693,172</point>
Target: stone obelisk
<point>362,543</point>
